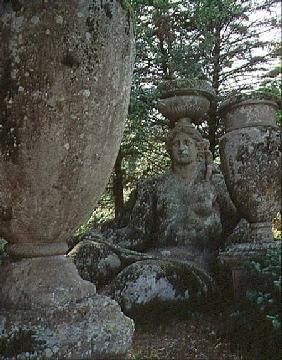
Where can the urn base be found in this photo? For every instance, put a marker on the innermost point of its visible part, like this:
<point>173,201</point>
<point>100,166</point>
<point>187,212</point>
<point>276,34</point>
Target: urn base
<point>261,232</point>
<point>237,256</point>
<point>48,311</point>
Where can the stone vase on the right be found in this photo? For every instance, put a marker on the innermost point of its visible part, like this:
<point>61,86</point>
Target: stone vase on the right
<point>250,154</point>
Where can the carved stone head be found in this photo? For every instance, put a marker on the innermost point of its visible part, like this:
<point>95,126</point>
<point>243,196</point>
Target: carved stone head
<point>185,144</point>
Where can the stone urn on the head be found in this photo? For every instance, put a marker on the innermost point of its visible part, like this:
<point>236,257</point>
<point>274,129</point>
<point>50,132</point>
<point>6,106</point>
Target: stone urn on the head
<point>188,99</point>
<point>65,72</point>
<point>250,154</point>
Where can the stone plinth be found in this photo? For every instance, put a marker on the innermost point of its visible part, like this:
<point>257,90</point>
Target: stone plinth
<point>45,300</point>
<point>238,256</point>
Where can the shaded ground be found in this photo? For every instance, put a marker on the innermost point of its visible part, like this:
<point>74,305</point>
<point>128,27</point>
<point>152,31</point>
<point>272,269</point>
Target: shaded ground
<point>181,339</point>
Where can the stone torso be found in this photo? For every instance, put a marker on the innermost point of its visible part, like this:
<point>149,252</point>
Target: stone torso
<point>177,218</point>
<point>187,212</point>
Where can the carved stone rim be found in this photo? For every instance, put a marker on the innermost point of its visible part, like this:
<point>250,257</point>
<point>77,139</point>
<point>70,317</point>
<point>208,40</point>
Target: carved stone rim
<point>238,254</point>
<point>232,104</point>
<point>31,250</point>
<point>187,91</point>
<point>254,124</point>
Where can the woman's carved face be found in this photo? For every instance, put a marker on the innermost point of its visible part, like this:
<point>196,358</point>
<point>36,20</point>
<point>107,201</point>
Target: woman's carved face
<point>183,150</point>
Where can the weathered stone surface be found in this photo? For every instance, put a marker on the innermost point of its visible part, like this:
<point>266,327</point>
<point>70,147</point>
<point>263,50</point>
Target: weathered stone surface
<point>185,99</point>
<point>178,221</point>
<point>245,110</point>
<point>65,315</point>
<point>46,281</point>
<point>251,162</point>
<point>240,234</point>
<point>158,277</point>
<point>94,327</point>
<point>95,261</point>
<point>93,235</point>
<point>168,211</point>
<point>63,107</point>
<point>65,76</point>
<point>239,255</point>
<point>158,281</point>
<point>237,258</point>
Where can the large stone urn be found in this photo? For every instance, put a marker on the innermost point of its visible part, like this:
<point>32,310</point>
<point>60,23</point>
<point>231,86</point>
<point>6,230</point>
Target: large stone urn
<point>189,99</point>
<point>65,73</point>
<point>250,154</point>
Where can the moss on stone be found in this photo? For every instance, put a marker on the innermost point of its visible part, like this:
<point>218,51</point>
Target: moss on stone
<point>188,83</point>
<point>153,283</point>
<point>95,261</point>
<point>240,97</point>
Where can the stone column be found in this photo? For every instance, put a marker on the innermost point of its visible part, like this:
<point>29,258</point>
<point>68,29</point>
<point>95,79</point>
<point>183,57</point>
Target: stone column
<point>251,158</point>
<point>65,73</point>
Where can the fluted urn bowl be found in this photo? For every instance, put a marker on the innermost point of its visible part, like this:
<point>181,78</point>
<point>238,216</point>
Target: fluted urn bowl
<point>250,155</point>
<point>185,99</point>
<point>67,74</point>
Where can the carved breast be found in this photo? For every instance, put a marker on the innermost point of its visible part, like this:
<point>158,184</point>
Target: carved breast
<point>188,213</point>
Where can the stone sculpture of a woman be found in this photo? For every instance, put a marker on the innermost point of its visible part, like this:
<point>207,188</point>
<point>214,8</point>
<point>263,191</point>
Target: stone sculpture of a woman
<point>179,220</point>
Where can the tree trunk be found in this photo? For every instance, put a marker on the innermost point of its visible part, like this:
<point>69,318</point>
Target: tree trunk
<point>213,121</point>
<point>118,185</point>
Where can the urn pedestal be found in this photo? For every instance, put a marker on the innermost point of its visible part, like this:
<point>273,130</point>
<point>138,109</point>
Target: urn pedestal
<point>250,154</point>
<point>65,72</point>
<point>237,257</point>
